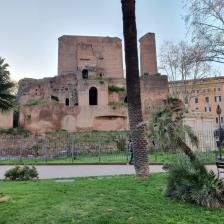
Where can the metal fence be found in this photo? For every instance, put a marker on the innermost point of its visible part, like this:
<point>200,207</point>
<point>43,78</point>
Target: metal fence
<point>70,148</point>
<point>63,149</point>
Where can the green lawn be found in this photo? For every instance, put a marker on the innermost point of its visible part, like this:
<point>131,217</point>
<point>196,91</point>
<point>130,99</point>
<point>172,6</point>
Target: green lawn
<point>102,200</point>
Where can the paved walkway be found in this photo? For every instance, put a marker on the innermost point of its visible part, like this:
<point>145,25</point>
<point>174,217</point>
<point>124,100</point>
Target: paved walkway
<point>66,171</point>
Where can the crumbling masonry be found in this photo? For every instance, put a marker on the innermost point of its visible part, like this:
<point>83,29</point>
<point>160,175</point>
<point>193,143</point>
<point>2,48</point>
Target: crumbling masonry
<point>89,92</point>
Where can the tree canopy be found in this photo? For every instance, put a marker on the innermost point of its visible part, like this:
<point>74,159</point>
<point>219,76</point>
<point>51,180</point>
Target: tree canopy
<point>7,98</point>
<point>205,19</point>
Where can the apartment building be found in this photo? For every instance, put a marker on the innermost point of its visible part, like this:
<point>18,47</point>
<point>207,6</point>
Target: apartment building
<point>201,97</point>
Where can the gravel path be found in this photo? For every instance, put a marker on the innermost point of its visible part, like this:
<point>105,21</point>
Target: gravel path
<point>66,171</point>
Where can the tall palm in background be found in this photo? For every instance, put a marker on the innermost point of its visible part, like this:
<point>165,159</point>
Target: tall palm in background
<point>133,89</point>
<point>7,98</point>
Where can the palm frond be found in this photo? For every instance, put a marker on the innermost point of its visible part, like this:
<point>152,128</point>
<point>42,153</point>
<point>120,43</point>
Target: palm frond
<point>7,99</point>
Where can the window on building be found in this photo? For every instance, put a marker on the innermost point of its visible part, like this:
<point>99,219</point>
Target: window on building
<point>217,89</point>
<point>196,99</point>
<point>221,119</point>
<point>93,96</point>
<point>67,101</point>
<point>196,108</point>
<point>208,109</point>
<point>186,100</point>
<point>126,99</point>
<point>85,74</point>
<point>217,120</point>
<point>15,119</point>
<point>218,99</point>
<point>207,99</point>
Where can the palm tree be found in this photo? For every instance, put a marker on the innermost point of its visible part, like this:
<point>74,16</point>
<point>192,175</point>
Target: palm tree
<point>166,128</point>
<point>7,99</point>
<point>133,89</point>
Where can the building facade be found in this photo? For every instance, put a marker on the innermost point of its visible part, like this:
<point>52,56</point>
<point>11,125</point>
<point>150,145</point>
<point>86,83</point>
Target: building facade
<point>201,96</point>
<point>89,92</point>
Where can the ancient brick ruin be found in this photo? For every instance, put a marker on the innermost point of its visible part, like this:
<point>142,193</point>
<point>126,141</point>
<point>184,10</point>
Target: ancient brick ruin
<point>89,92</point>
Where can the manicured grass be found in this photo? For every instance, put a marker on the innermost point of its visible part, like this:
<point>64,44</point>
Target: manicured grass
<point>102,200</point>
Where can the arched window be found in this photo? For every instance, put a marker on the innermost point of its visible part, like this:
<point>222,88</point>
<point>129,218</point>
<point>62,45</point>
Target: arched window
<point>85,74</point>
<point>93,96</point>
<point>126,99</point>
<point>67,101</point>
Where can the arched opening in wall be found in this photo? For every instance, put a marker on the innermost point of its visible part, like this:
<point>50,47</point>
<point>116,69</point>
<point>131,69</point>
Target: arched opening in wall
<point>67,101</point>
<point>93,96</point>
<point>125,99</point>
<point>15,119</point>
<point>85,74</point>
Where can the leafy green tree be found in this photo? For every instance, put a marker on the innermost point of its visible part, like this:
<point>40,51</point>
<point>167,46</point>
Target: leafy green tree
<point>7,99</point>
<point>133,89</point>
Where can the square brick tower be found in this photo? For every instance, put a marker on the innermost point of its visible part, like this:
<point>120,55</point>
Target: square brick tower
<point>99,55</point>
<point>148,54</point>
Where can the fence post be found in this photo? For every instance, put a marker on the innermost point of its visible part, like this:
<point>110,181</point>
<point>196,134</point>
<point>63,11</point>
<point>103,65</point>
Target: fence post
<point>73,149</point>
<point>20,150</point>
<point>45,150</point>
<point>127,151</point>
<point>99,153</point>
<point>155,153</point>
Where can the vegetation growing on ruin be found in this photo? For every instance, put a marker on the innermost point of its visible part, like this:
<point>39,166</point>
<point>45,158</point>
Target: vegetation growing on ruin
<point>15,131</point>
<point>35,102</point>
<point>117,89</point>
<point>27,117</point>
<point>117,104</point>
<point>100,78</point>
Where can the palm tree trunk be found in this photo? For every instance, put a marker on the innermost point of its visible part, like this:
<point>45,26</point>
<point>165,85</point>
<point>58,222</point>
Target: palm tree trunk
<point>133,89</point>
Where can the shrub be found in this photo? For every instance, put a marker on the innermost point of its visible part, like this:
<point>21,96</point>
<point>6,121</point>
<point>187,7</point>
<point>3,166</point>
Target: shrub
<point>117,89</point>
<point>34,102</point>
<point>189,181</point>
<point>15,131</point>
<point>21,173</point>
<point>100,78</point>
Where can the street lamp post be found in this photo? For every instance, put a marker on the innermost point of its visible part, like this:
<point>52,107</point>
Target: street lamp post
<point>219,111</point>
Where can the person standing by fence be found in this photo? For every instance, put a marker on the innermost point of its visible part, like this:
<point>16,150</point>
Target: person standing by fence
<point>130,145</point>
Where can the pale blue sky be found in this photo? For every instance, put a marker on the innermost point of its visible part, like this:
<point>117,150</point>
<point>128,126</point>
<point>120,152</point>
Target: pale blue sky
<point>30,28</point>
